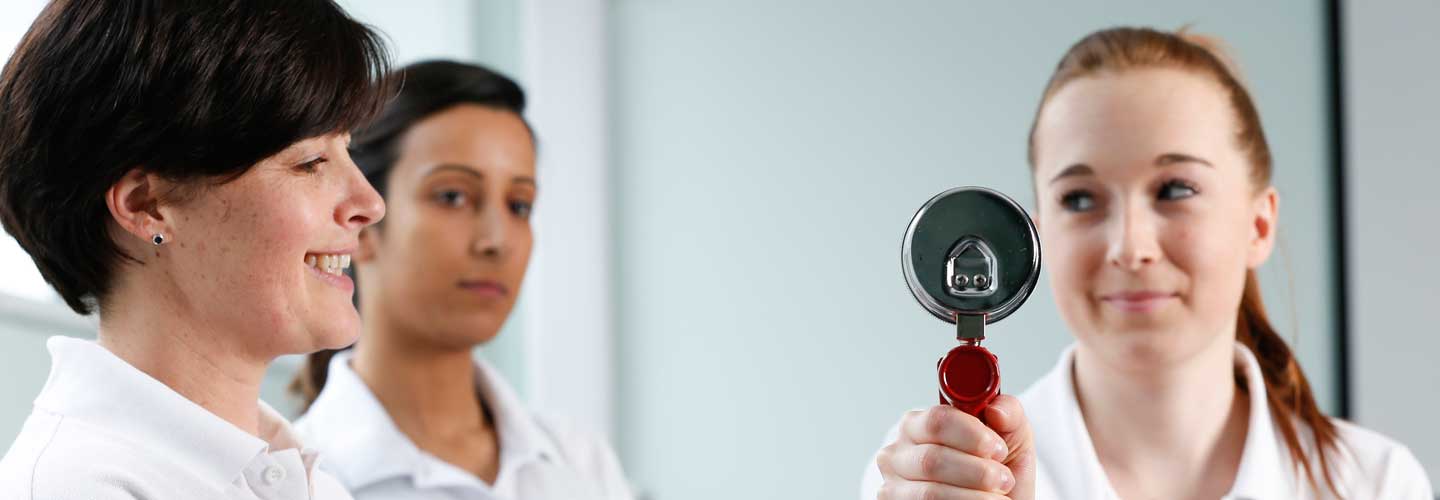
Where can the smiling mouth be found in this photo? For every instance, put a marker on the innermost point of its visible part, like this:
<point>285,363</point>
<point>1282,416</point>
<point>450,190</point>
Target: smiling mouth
<point>1138,301</point>
<point>330,263</point>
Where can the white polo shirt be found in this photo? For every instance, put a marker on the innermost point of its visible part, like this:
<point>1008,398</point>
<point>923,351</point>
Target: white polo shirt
<point>103,430</point>
<point>1368,465</point>
<point>540,459</point>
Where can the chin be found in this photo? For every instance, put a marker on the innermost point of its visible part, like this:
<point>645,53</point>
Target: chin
<point>1130,342</point>
<point>472,330</point>
<point>335,334</point>
<point>1150,346</point>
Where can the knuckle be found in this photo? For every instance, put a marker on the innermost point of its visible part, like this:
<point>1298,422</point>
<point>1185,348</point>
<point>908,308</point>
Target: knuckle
<point>928,492</point>
<point>887,492</point>
<point>886,455</point>
<point>936,422</point>
<point>931,461</point>
<point>908,420</point>
<point>1013,407</point>
<point>987,443</point>
<point>987,477</point>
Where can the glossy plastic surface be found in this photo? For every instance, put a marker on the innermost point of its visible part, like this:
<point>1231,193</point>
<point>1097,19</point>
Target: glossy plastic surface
<point>969,378</point>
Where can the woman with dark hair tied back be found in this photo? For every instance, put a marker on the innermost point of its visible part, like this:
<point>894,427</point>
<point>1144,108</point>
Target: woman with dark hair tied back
<point>1155,207</point>
<point>409,412</point>
<point>180,169</point>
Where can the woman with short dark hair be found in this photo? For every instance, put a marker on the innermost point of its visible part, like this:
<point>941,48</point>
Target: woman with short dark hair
<point>180,168</point>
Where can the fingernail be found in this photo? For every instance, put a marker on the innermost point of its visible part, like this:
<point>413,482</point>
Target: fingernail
<point>1000,452</point>
<point>1007,481</point>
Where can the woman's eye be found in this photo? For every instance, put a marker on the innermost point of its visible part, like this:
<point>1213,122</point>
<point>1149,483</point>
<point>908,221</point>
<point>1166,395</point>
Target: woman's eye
<point>311,166</point>
<point>452,198</point>
<point>521,209</point>
<point>1077,201</point>
<point>1176,190</point>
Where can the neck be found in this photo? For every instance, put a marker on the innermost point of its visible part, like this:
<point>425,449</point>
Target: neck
<point>161,338</point>
<point>1185,422</point>
<point>429,392</point>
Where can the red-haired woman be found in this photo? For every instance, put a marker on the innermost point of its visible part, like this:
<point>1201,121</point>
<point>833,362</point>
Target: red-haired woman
<point>1155,207</point>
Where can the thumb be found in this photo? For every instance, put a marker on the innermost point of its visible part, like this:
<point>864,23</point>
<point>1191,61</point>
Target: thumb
<point>1006,417</point>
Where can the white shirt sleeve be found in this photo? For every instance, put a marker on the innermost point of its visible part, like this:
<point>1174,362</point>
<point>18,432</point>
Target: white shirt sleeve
<point>1403,478</point>
<point>591,456</point>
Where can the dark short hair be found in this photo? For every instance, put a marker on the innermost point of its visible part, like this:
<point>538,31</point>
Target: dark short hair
<point>426,88</point>
<point>193,91</point>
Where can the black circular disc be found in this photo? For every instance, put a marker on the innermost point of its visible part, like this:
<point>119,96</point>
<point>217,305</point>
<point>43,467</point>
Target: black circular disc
<point>971,232</point>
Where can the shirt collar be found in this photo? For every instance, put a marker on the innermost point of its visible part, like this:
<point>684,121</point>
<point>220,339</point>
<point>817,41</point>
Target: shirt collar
<point>1263,471</point>
<point>1077,469</point>
<point>346,420</point>
<point>90,384</point>
<point>526,440</point>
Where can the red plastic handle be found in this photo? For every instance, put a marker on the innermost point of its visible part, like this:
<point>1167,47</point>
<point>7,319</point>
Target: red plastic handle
<point>969,378</point>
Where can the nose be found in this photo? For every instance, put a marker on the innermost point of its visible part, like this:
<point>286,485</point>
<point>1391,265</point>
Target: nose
<point>490,234</point>
<point>1133,242</point>
<point>363,205</point>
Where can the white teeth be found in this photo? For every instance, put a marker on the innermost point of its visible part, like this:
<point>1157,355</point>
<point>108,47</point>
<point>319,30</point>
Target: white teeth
<point>333,264</point>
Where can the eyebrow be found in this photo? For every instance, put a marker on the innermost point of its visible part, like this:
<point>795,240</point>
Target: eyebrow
<point>1173,158</point>
<point>1073,170</point>
<point>1163,160</point>
<point>451,167</point>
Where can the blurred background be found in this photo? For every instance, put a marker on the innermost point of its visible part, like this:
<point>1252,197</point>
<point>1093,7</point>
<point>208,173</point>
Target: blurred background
<point>725,185</point>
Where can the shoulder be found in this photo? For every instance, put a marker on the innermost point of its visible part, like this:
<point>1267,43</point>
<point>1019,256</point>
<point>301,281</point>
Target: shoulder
<point>574,442</point>
<point>1051,396</point>
<point>327,487</point>
<point>1372,465</point>
<point>53,457</point>
<point>588,452</point>
<point>1042,398</point>
<point>1049,404</point>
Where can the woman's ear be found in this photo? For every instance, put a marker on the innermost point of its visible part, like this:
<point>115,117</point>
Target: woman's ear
<point>1264,214</point>
<point>134,205</point>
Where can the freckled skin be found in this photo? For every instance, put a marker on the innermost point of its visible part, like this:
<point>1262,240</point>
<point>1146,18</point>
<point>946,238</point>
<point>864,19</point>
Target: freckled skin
<point>236,251</point>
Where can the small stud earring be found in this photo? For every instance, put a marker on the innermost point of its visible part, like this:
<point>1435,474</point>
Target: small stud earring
<point>158,239</point>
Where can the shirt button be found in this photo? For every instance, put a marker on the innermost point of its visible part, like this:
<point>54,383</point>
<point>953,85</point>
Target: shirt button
<point>274,474</point>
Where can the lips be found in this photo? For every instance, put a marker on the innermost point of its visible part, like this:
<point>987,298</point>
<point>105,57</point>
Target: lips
<point>329,266</point>
<point>484,288</point>
<point>1138,300</point>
